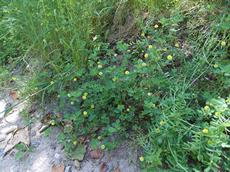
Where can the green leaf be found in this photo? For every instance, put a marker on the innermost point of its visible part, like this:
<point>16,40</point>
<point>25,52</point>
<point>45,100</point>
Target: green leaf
<point>218,104</point>
<point>94,144</point>
<point>78,153</point>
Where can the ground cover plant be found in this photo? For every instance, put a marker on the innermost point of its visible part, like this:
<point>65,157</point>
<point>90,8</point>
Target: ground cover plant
<point>164,85</point>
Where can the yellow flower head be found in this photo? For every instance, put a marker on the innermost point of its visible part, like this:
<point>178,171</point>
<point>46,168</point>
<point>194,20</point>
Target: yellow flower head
<point>146,55</point>
<point>150,47</point>
<point>52,122</point>
<point>99,137</point>
<point>85,94</point>
<point>156,26</point>
<point>205,131</point>
<point>143,34</point>
<point>99,66</point>
<point>114,79</point>
<point>206,108</point>
<point>223,43</point>
<point>215,65</point>
<point>51,82</point>
<point>75,142</point>
<point>218,114</point>
<point>126,72</point>
<point>85,113</point>
<point>169,57</point>
<point>141,158</point>
<point>128,109</point>
<point>102,147</point>
<point>177,45</point>
<point>158,130</point>
<point>83,97</point>
<point>162,122</point>
<point>149,94</point>
<point>100,73</point>
<point>75,79</point>
<point>92,106</point>
<point>227,100</point>
<point>72,103</point>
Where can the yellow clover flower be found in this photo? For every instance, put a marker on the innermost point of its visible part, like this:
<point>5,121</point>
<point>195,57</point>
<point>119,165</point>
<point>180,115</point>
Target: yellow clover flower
<point>85,94</point>
<point>177,45</point>
<point>127,72</point>
<point>150,47</point>
<point>156,26</point>
<point>92,106</point>
<point>215,65</point>
<point>162,122</point>
<point>158,130</point>
<point>205,131</point>
<point>218,114</point>
<point>99,66</point>
<point>206,108</point>
<point>85,113</point>
<point>141,158</point>
<point>169,57</point>
<point>75,142</point>
<point>223,43</point>
<point>146,55</point>
<point>83,97</point>
<point>102,147</point>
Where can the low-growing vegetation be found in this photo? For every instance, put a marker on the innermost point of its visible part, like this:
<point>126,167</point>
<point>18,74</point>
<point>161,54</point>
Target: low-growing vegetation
<point>154,72</point>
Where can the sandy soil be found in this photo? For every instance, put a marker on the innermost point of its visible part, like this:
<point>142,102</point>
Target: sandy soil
<point>46,152</point>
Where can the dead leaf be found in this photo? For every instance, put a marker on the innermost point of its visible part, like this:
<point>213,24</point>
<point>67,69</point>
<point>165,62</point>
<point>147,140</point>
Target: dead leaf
<point>14,94</point>
<point>43,128</point>
<point>82,139</point>
<point>145,15</point>
<point>116,170</point>
<point>103,167</point>
<point>96,154</point>
<point>58,168</point>
<point>46,118</point>
<point>21,136</point>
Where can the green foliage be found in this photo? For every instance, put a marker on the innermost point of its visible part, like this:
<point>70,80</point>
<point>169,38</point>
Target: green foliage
<point>55,31</point>
<point>163,87</point>
<point>22,149</point>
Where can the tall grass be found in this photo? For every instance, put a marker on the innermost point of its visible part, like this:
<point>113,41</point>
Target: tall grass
<point>59,31</point>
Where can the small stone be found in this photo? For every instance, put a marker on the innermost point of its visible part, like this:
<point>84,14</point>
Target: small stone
<point>96,154</point>
<point>2,137</point>
<point>77,164</point>
<point>9,129</point>
<point>3,105</point>
<point>68,169</point>
<point>57,156</point>
<point>103,167</point>
<point>35,143</point>
<point>1,153</point>
<point>33,133</point>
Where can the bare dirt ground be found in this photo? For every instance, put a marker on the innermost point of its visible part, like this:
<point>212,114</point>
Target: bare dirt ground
<point>46,154</point>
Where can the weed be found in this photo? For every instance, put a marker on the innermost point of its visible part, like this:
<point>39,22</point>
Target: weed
<point>163,87</point>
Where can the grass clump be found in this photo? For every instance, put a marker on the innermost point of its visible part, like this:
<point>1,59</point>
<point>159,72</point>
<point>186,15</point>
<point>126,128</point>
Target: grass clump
<point>168,87</point>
